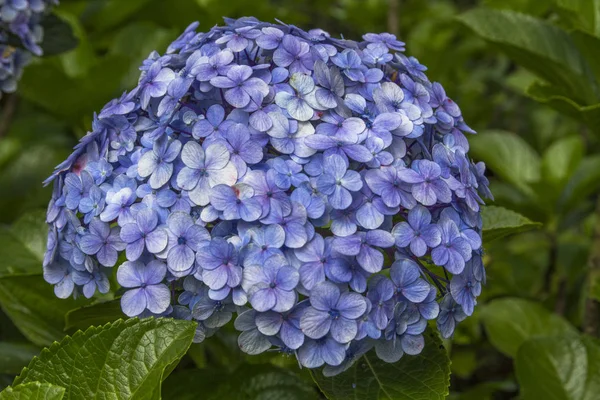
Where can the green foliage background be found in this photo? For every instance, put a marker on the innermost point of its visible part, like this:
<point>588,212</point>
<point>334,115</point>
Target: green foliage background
<point>526,75</point>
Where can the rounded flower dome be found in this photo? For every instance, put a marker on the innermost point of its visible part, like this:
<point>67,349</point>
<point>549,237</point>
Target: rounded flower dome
<point>319,188</point>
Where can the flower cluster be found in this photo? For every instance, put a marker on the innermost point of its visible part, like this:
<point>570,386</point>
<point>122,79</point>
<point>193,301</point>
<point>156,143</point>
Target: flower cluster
<point>319,188</point>
<point>20,21</point>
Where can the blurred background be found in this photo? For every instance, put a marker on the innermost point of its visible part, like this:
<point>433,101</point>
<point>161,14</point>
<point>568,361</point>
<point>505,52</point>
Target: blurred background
<point>525,74</point>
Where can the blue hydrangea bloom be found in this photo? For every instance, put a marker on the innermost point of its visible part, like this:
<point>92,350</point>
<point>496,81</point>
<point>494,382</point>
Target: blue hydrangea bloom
<point>146,290</point>
<point>20,19</point>
<point>308,184</point>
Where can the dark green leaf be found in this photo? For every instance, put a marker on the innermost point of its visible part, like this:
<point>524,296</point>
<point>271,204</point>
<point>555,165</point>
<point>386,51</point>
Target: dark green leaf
<point>32,306</point>
<point>484,391</point>
<point>79,97</point>
<point>33,391</point>
<point>58,36</point>
<point>94,314</point>
<point>559,368</point>
<point>113,12</point>
<point>594,285</point>
<point>557,99</point>
<point>588,45</point>
<point>544,49</point>
<point>422,377</point>
<point>509,156</point>
<point>510,321</point>
<point>499,222</point>
<point>15,356</point>
<point>583,182</point>
<point>126,357</point>
<point>248,382</point>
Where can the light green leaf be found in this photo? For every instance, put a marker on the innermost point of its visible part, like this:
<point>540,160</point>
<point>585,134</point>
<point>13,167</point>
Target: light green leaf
<point>544,49</point>
<point>15,257</point>
<point>136,41</point>
<point>422,377</point>
<point>510,321</point>
<point>93,314</point>
<point>559,368</point>
<point>15,356</point>
<point>33,391</point>
<point>256,381</point>
<point>78,61</point>
<point>33,307</point>
<point>561,159</point>
<point>531,7</point>
<point>582,14</point>
<point>127,359</point>
<point>20,180</point>
<point>509,156</point>
<point>499,222</point>
<point>32,231</point>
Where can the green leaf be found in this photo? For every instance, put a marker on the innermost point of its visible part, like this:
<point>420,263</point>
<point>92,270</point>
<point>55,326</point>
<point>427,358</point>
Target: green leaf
<point>58,36</point>
<point>499,222</point>
<point>561,159</point>
<point>114,12</point>
<point>247,382</point>
<point>588,45</point>
<point>544,49</point>
<point>532,7</point>
<point>93,314</point>
<point>15,356</point>
<point>80,96</point>
<point>78,61</point>
<point>33,391</point>
<point>509,156</point>
<point>484,391</point>
<point>422,377</point>
<point>15,257</point>
<point>20,179</point>
<point>33,307</point>
<point>582,14</point>
<point>559,368</point>
<point>23,245</point>
<point>510,321</point>
<point>128,358</point>
<point>560,101</point>
<point>584,181</point>
<point>594,285</point>
<point>135,41</point>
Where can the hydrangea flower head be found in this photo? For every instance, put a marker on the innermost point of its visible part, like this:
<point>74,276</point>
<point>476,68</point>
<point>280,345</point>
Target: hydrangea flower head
<point>20,20</point>
<point>314,186</point>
